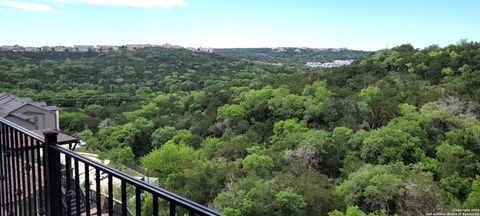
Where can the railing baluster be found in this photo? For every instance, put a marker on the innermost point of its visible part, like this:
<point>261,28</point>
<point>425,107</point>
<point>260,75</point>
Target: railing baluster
<point>52,175</point>
<point>34,183</point>
<point>155,205</point>
<point>77,188</point>
<point>9,176</point>
<point>11,161</point>
<point>98,194</point>
<point>110,194</point>
<point>68,182</point>
<point>124,197</point>
<point>138,201</point>
<point>22,162</point>
<point>173,210</point>
<point>41,187</point>
<point>27,169</point>
<point>9,170</point>
<point>6,170</point>
<point>2,174</point>
<point>18,173</point>
<point>6,174</point>
<point>11,173</point>
<point>13,158</point>
<point>87,189</point>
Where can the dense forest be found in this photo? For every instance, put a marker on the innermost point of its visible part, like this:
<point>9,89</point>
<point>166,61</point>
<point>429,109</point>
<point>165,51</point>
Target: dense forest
<point>396,132</point>
<point>292,55</point>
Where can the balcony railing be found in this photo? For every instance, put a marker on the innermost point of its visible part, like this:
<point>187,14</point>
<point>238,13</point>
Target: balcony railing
<point>40,177</point>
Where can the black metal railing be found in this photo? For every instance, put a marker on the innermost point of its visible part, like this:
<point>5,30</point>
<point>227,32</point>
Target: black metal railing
<point>40,177</point>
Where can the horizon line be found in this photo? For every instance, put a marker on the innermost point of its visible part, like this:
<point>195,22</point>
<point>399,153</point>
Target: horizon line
<point>180,46</point>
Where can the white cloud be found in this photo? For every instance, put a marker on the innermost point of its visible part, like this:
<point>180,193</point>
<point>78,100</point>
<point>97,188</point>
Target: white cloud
<point>27,6</point>
<point>137,3</point>
<point>43,5</point>
<point>57,1</point>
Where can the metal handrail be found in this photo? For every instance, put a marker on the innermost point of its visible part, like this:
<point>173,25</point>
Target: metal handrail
<point>169,196</point>
<point>51,167</point>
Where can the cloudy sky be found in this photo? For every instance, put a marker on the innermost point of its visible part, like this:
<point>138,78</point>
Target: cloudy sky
<point>357,24</point>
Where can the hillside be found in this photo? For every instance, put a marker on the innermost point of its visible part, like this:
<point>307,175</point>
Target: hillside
<point>292,55</point>
<point>117,75</point>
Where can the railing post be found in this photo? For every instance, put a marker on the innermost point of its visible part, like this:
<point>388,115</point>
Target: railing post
<point>53,181</point>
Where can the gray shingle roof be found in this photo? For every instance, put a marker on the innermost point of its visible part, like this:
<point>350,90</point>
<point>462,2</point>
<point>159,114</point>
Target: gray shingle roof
<point>10,103</point>
<point>22,116</point>
<point>43,104</point>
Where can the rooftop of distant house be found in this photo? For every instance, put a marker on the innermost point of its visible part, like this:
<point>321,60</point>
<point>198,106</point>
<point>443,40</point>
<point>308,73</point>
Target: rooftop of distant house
<point>9,103</point>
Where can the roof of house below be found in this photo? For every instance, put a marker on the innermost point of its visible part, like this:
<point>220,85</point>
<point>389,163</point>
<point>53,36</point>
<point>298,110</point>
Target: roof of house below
<point>10,103</point>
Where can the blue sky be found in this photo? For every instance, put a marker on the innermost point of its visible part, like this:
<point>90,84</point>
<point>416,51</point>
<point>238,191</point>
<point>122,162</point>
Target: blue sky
<point>357,24</point>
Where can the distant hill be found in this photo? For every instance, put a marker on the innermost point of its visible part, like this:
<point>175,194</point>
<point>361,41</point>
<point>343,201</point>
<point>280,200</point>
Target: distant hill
<point>60,75</point>
<point>292,54</point>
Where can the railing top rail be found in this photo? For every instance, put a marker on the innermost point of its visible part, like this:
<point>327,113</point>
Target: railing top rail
<point>22,129</point>
<point>169,196</point>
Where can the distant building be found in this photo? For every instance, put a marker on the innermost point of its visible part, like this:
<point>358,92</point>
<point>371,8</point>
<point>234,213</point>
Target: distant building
<point>314,64</point>
<point>31,49</point>
<point>106,48</point>
<point>84,48</point>
<point>29,114</point>
<point>207,50</point>
<point>70,49</point>
<point>135,47</point>
<point>15,48</point>
<point>167,46</point>
<point>45,48</point>
<point>132,48</point>
<point>199,49</point>
<point>7,48</point>
<point>334,63</point>
<point>339,49</point>
<point>193,49</point>
<point>59,49</point>
<point>19,48</point>
<point>319,49</point>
